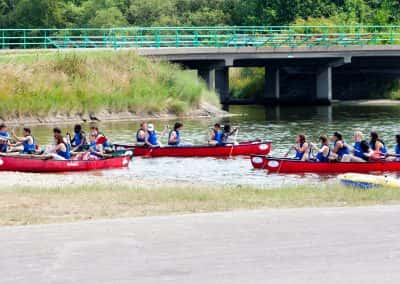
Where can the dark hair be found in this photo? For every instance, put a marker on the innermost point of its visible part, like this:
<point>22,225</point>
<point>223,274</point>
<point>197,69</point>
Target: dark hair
<point>56,130</point>
<point>2,125</point>
<point>26,129</point>
<point>94,128</point>
<point>324,139</point>
<point>364,146</point>
<point>338,135</point>
<point>77,128</point>
<point>227,128</point>
<point>398,138</point>
<point>217,125</point>
<point>59,138</point>
<point>177,125</point>
<point>302,138</point>
<point>375,137</point>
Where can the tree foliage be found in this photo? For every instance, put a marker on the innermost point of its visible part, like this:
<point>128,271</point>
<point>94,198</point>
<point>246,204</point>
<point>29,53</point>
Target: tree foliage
<point>107,13</point>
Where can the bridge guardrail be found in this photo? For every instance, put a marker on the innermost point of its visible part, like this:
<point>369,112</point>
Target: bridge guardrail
<point>158,37</point>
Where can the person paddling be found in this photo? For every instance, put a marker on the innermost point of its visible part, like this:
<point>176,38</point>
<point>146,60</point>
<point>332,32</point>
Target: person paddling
<point>79,141</point>
<point>101,138</point>
<point>142,134</point>
<point>339,147</point>
<point>397,148</point>
<point>174,137</point>
<point>228,133</point>
<point>27,141</point>
<point>152,136</point>
<point>61,149</point>
<point>396,155</point>
<point>301,147</point>
<point>324,150</point>
<point>216,134</point>
<point>377,144</point>
<point>4,138</point>
<point>96,150</point>
<point>359,153</point>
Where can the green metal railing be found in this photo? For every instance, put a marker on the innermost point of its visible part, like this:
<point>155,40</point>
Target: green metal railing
<point>158,37</point>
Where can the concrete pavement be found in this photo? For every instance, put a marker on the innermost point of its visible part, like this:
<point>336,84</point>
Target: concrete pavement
<point>331,245</point>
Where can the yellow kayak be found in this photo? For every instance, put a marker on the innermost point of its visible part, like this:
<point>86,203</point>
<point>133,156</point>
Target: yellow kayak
<point>368,181</point>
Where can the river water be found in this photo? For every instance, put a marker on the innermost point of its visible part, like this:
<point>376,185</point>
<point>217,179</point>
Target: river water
<point>280,125</point>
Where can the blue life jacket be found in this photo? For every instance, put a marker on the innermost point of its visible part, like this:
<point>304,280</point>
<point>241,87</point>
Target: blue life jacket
<point>342,151</point>
<point>92,146</point>
<point>321,158</point>
<point>358,152</point>
<point>397,149</point>
<point>152,137</point>
<point>383,150</point>
<point>138,139</point>
<point>225,137</point>
<point>3,145</point>
<point>66,154</point>
<point>79,138</point>
<point>299,155</point>
<point>177,139</point>
<point>218,137</point>
<point>29,148</point>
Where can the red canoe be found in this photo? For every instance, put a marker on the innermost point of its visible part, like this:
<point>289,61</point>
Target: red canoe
<point>274,165</point>
<point>242,149</point>
<point>29,164</point>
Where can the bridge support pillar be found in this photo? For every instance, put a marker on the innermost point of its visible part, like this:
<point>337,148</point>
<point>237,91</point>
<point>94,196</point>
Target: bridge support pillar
<point>272,85</point>
<point>222,84</point>
<point>324,85</point>
<point>208,77</point>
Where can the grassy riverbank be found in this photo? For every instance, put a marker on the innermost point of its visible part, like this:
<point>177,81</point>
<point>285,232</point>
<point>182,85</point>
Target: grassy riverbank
<point>90,82</point>
<point>27,205</point>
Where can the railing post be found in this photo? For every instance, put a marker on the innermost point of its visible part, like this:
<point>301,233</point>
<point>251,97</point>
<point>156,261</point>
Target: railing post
<point>24,39</point>
<point>177,38</point>
<point>45,40</point>
<point>391,35</point>
<point>157,35</point>
<point>235,38</point>
<point>196,39</point>
<point>3,39</point>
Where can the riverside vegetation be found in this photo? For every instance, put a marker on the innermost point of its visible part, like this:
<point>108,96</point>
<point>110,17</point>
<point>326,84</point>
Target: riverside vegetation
<point>121,13</point>
<point>86,83</point>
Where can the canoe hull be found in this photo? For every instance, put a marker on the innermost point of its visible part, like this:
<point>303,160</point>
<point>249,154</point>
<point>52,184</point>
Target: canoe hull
<point>368,181</point>
<point>274,165</point>
<point>25,164</point>
<point>243,149</point>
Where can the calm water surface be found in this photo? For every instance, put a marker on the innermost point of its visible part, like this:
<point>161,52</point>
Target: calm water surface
<point>280,125</point>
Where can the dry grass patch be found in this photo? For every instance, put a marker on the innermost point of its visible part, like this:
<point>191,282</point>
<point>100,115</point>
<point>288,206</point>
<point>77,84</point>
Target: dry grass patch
<point>37,205</point>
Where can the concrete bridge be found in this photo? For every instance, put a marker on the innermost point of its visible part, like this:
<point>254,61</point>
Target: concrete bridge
<point>292,75</point>
<point>303,64</point>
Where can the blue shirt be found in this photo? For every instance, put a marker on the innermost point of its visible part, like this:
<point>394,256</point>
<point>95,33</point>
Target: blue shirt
<point>152,137</point>
<point>29,148</point>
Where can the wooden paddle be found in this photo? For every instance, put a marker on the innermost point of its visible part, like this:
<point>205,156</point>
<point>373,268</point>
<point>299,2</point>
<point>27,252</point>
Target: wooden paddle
<point>234,142</point>
<point>290,150</point>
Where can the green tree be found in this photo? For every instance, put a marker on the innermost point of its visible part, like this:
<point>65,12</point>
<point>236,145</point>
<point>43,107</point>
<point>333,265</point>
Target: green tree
<point>37,14</point>
<point>108,18</point>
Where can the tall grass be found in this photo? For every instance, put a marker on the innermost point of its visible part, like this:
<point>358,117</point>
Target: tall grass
<point>86,83</point>
<point>247,82</point>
